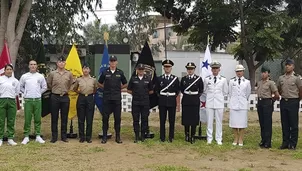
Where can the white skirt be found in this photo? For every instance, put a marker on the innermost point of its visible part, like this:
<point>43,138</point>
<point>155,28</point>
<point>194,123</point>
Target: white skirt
<point>238,118</point>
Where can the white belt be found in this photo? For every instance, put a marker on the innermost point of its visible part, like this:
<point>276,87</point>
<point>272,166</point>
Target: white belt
<point>191,92</point>
<point>167,94</point>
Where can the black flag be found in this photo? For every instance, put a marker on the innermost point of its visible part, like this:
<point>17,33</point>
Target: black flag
<point>41,60</point>
<point>146,58</point>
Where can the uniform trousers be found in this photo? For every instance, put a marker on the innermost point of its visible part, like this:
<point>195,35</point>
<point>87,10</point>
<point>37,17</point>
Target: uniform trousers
<point>162,119</point>
<point>265,111</point>
<point>140,111</point>
<point>85,112</point>
<point>115,107</point>
<point>218,114</point>
<point>8,111</point>
<point>59,103</point>
<point>32,109</point>
<point>290,121</point>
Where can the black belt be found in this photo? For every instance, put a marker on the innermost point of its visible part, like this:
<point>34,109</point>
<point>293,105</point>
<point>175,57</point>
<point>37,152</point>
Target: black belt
<point>289,99</point>
<point>66,94</point>
<point>86,94</point>
<point>260,98</point>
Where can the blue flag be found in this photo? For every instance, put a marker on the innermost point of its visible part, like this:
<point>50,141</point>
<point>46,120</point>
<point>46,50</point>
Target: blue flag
<point>98,97</point>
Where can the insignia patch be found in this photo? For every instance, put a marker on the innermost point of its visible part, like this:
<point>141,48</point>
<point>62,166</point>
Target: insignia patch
<point>108,75</point>
<point>13,84</point>
<point>171,76</point>
<point>194,76</point>
<point>147,82</point>
<point>118,75</point>
<point>161,83</point>
<point>135,82</point>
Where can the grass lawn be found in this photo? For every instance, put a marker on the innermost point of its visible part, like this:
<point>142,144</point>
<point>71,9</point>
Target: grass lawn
<point>152,154</point>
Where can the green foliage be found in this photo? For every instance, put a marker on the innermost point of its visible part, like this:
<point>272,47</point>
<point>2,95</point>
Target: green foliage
<point>132,18</point>
<point>94,33</point>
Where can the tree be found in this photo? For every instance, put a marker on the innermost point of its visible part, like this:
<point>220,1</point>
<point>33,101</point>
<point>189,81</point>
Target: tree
<point>94,33</point>
<point>261,25</point>
<point>52,19</point>
<point>133,19</point>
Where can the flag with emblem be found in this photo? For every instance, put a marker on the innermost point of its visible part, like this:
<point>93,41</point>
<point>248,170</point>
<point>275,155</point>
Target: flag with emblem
<point>41,59</point>
<point>4,60</point>
<point>73,64</point>
<point>146,58</point>
<point>205,70</point>
<point>98,98</point>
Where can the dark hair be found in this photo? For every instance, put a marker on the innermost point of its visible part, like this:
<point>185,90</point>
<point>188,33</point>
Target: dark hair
<point>8,65</point>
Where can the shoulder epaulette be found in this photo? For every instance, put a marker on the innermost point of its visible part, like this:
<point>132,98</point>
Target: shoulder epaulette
<point>208,76</point>
<point>222,76</point>
<point>233,78</point>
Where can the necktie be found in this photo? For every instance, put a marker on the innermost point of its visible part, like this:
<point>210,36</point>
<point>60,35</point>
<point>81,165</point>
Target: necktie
<point>239,81</point>
<point>189,77</point>
<point>167,77</point>
<point>215,79</point>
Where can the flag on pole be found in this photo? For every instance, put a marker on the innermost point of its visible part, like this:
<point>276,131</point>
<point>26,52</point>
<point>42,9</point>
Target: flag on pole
<point>98,97</point>
<point>205,70</point>
<point>4,60</point>
<point>41,60</point>
<point>146,58</point>
<point>73,64</point>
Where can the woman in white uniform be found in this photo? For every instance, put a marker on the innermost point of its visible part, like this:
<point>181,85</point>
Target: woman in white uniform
<point>239,93</point>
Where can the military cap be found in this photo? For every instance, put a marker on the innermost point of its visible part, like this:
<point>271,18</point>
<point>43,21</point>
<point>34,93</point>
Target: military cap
<point>140,66</point>
<point>289,62</point>
<point>167,63</point>
<point>239,68</point>
<point>215,64</point>
<point>265,69</point>
<point>61,58</point>
<point>190,65</point>
<point>113,58</point>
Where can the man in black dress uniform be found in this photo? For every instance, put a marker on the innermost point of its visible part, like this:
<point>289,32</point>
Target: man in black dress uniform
<point>191,87</point>
<point>168,88</point>
<point>140,86</point>
<point>112,80</point>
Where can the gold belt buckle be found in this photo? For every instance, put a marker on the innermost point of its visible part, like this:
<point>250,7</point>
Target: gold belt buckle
<point>61,95</point>
<point>189,91</point>
<point>86,95</point>
<point>260,98</point>
<point>286,99</point>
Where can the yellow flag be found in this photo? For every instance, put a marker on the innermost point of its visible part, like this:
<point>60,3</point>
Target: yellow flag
<point>73,64</point>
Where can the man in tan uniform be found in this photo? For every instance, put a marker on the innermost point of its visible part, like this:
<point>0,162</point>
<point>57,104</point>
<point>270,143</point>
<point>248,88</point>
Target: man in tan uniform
<point>86,87</point>
<point>265,107</point>
<point>290,89</point>
<point>59,82</point>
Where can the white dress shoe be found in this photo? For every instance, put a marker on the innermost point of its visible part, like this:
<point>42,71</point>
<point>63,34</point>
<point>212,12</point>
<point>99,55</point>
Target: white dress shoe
<point>25,141</point>
<point>219,143</point>
<point>234,144</point>
<point>39,139</point>
<point>240,145</point>
<point>11,142</point>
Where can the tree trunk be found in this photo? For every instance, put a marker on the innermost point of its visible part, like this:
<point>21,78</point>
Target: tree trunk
<point>3,23</point>
<point>15,33</point>
<point>252,75</point>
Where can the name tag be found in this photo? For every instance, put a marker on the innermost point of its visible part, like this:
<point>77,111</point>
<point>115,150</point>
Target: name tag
<point>135,82</point>
<point>108,75</point>
<point>118,75</point>
<point>147,82</point>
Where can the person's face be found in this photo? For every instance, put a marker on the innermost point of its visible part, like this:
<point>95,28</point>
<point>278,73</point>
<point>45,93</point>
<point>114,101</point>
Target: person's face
<point>86,70</point>
<point>264,75</point>
<point>8,71</point>
<point>32,66</point>
<point>113,63</point>
<point>239,73</point>
<point>140,71</point>
<point>190,71</point>
<point>61,64</point>
<point>289,67</point>
<point>215,70</point>
<point>167,69</point>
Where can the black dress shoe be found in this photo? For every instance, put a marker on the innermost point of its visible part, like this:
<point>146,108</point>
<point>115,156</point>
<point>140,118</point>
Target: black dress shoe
<point>170,140</point>
<point>65,140</point>
<point>261,144</point>
<point>192,140</point>
<point>162,140</point>
<point>291,147</point>
<point>89,141</point>
<point>267,146</point>
<point>283,146</point>
<point>81,140</point>
<point>53,140</point>
<point>119,141</point>
<point>187,139</point>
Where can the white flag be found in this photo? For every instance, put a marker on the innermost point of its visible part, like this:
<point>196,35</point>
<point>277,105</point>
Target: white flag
<point>205,70</point>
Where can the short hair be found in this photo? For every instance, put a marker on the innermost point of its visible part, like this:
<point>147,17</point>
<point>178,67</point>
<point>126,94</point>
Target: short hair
<point>8,65</point>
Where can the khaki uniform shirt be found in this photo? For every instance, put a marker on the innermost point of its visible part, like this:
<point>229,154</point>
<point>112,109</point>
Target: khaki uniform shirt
<point>265,88</point>
<point>85,85</point>
<point>289,85</point>
<point>59,83</point>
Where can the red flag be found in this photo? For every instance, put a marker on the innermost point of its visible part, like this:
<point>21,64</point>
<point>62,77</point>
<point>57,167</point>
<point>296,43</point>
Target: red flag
<point>4,60</point>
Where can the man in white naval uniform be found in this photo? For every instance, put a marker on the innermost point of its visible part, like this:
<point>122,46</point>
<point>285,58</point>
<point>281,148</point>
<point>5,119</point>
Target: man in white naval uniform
<point>215,89</point>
